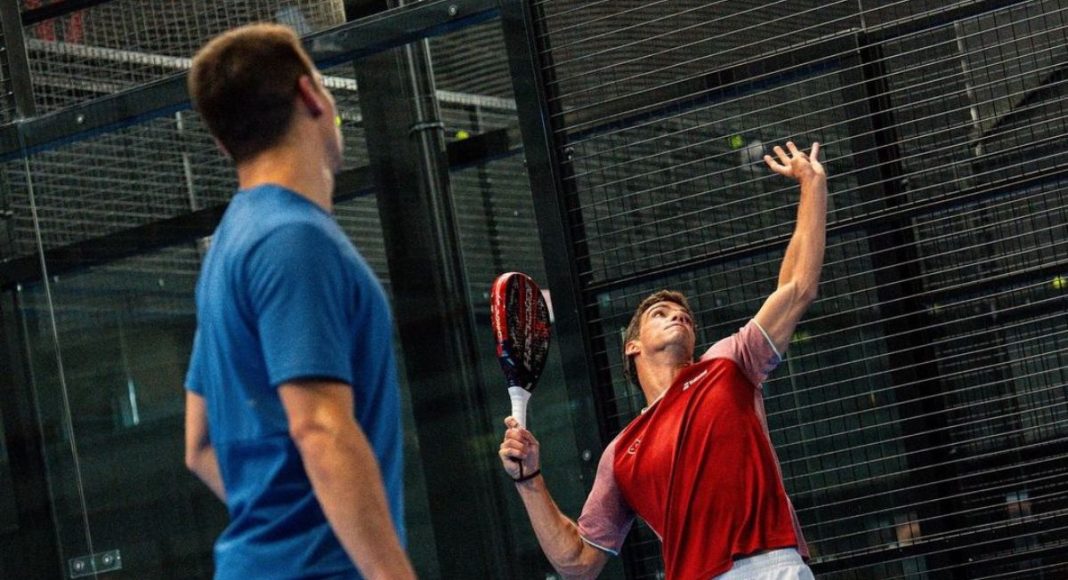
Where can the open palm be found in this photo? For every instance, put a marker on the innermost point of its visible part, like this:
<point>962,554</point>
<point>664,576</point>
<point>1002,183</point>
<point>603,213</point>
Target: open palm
<point>797,164</point>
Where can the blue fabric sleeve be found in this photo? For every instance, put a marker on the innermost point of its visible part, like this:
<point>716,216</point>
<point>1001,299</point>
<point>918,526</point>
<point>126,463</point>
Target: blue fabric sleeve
<point>192,377</point>
<point>302,297</point>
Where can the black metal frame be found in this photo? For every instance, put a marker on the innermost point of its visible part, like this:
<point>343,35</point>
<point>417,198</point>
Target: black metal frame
<point>349,184</point>
<point>547,131</point>
<point>34,541</point>
<point>559,237</point>
<point>17,62</point>
<point>376,34</point>
<point>409,165</point>
<point>337,45</point>
<point>342,43</point>
<point>543,132</point>
<point>57,10</point>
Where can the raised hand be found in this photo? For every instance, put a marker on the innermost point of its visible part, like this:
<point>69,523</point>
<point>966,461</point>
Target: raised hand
<point>798,164</point>
<point>519,445</point>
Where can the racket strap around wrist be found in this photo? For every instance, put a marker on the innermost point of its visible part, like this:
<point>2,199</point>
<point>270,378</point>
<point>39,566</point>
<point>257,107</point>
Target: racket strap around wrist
<point>528,476</point>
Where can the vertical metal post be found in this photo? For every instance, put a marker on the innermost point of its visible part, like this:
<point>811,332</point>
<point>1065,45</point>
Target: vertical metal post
<point>20,87</point>
<point>557,234</point>
<point>405,138</point>
<point>899,287</point>
<point>18,63</point>
<point>563,247</point>
<point>32,548</point>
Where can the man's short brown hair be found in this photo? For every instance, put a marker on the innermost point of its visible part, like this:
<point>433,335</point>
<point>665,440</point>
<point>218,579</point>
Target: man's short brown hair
<point>243,83</point>
<point>634,328</point>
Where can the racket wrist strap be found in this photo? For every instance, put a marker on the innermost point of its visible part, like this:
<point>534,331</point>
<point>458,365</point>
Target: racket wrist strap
<point>528,476</point>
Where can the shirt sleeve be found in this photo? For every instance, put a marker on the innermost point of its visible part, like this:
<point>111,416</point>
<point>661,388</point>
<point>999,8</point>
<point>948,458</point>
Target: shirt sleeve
<point>192,376</point>
<point>302,298</point>
<point>606,518</point>
<point>751,349</point>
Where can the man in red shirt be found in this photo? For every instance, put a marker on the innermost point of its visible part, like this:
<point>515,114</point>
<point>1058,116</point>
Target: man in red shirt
<point>697,465</point>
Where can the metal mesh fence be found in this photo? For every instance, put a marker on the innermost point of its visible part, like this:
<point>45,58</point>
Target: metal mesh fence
<point>148,172</point>
<point>77,194</point>
<point>121,44</point>
<point>473,61</point>
<point>920,416</point>
<point>137,175</point>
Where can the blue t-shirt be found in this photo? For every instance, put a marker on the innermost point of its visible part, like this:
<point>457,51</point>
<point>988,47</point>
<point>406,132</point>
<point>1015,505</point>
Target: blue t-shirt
<point>284,295</point>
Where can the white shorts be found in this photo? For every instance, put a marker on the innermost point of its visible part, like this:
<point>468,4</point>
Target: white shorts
<point>773,565</point>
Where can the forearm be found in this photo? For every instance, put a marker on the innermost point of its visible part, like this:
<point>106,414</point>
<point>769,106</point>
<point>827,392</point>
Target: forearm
<point>206,467</point>
<point>558,535</point>
<point>347,482</point>
<point>804,255</point>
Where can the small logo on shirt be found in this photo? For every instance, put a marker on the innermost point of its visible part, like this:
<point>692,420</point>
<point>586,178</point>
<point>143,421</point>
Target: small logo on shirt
<point>634,446</point>
<point>690,382</point>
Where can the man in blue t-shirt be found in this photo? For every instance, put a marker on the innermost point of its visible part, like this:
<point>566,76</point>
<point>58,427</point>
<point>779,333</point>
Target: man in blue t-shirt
<point>292,409</point>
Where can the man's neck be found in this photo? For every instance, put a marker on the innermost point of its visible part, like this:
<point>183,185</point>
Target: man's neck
<point>292,169</point>
<point>657,374</point>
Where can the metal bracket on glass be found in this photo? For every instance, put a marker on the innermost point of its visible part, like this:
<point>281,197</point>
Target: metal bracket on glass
<point>95,563</point>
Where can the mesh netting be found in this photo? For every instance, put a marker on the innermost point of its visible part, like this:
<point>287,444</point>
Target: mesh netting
<point>121,44</point>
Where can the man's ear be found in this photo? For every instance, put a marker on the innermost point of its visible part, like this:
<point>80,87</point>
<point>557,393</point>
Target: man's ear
<point>632,348</point>
<point>310,96</point>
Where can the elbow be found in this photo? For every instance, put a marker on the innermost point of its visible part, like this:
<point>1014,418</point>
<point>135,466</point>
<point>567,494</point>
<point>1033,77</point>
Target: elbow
<point>314,441</point>
<point>574,572</point>
<point>194,459</point>
<point>308,437</point>
<point>583,572</point>
<point>809,293</point>
<point>802,292</point>
<point>587,563</point>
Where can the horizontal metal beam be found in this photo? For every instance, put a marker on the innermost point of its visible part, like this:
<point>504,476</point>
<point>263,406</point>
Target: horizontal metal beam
<point>348,185</point>
<point>112,246</point>
<point>395,27</point>
<point>900,213</point>
<point>57,9</point>
<point>327,48</point>
<point>692,92</point>
<point>86,52</point>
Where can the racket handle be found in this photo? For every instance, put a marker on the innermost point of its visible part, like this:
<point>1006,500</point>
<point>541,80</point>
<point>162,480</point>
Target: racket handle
<point>519,397</point>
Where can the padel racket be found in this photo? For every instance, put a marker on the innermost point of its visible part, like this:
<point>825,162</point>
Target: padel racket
<point>521,327</point>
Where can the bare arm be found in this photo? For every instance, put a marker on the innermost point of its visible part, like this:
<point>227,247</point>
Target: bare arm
<point>199,453</point>
<point>345,475</point>
<point>799,274</point>
<point>557,534</point>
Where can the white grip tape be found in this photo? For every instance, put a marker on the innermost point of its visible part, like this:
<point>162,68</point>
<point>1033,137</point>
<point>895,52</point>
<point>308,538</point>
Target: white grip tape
<point>519,397</point>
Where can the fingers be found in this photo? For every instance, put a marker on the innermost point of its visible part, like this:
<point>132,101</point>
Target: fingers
<point>783,157</point>
<point>518,445</point>
<point>771,163</point>
<point>790,163</point>
<point>518,434</point>
<point>776,166</point>
<point>513,449</point>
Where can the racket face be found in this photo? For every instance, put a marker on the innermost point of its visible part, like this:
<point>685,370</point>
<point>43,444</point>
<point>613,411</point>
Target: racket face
<point>521,328</point>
